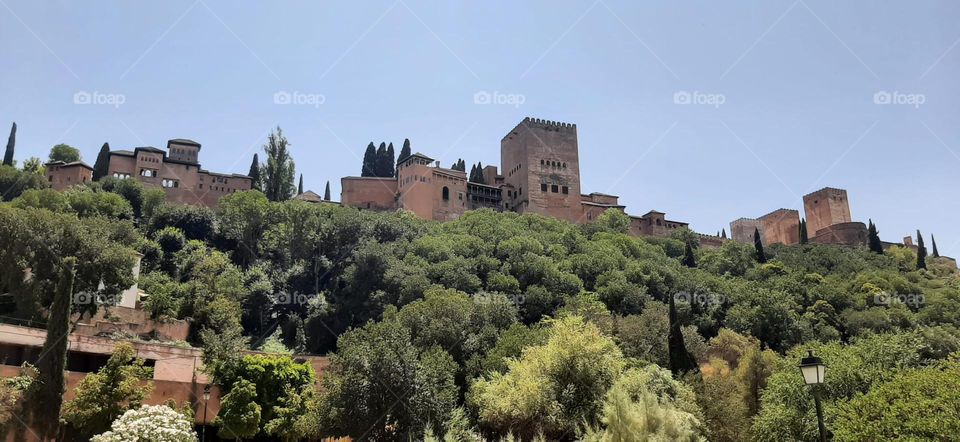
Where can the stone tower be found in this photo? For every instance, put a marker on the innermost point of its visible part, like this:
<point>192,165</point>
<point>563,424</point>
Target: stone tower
<point>186,151</point>
<point>541,163</point>
<point>824,208</point>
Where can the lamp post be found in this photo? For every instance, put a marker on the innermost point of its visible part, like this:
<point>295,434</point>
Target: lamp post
<point>206,398</point>
<point>813,372</point>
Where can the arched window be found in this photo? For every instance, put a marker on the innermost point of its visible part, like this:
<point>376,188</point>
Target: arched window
<point>446,193</point>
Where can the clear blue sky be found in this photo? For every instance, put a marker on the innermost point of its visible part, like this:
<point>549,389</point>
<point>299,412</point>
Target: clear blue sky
<point>797,82</point>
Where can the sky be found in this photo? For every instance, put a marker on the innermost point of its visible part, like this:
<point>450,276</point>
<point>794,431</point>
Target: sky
<point>708,111</point>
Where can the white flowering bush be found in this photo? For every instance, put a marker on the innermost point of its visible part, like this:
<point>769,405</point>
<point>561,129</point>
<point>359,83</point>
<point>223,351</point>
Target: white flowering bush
<point>153,423</point>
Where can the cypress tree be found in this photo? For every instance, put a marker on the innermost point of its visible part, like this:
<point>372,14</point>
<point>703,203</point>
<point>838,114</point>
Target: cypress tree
<point>369,167</point>
<point>921,253</point>
<point>254,173</point>
<point>101,167</point>
<point>462,165</point>
<point>280,171</point>
<point>390,162</point>
<point>724,233</point>
<point>49,397</point>
<point>405,150</point>
<point>473,174</point>
<point>933,241</point>
<point>758,244</point>
<point>326,192</point>
<point>873,239</point>
<point>689,259</point>
<point>681,361</point>
<point>300,185</point>
<point>380,166</point>
<point>803,232</point>
<point>11,142</point>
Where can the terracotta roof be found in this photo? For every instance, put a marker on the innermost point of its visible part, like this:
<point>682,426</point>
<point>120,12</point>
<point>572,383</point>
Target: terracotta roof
<point>70,164</point>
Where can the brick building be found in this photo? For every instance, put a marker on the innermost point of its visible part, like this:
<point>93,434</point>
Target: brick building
<point>177,171</point>
<point>62,176</point>
<point>540,173</point>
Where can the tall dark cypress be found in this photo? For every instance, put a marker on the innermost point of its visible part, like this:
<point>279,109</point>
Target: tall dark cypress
<point>49,397</point>
<point>758,244</point>
<point>480,179</point>
<point>724,233</point>
<point>11,143</point>
<point>102,166</point>
<point>803,232</point>
<point>473,174</point>
<point>326,192</point>
<point>390,162</point>
<point>933,241</point>
<point>873,239</point>
<point>254,173</point>
<point>405,150</point>
<point>921,253</point>
<point>689,259</point>
<point>380,165</point>
<point>681,361</point>
<point>300,185</point>
<point>369,167</point>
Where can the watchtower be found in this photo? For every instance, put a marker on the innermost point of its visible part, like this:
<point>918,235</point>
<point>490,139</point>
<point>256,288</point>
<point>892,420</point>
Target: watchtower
<point>824,208</point>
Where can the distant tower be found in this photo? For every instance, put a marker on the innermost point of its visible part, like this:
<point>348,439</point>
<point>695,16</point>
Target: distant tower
<point>781,226</point>
<point>182,150</point>
<point>540,160</point>
<point>824,208</point>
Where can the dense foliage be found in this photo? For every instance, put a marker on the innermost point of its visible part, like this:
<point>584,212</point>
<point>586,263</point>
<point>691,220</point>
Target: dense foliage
<point>499,324</point>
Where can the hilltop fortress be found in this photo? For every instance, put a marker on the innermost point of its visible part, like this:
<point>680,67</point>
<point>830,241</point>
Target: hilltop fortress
<point>540,173</point>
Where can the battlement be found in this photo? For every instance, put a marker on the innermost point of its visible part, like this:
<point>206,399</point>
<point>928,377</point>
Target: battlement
<point>828,191</point>
<point>538,123</point>
<point>780,212</point>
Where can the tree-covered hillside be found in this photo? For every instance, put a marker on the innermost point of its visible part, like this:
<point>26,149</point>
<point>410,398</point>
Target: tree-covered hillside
<point>498,325</point>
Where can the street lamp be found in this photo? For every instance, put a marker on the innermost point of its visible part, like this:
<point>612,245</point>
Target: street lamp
<point>813,372</point>
<point>206,398</point>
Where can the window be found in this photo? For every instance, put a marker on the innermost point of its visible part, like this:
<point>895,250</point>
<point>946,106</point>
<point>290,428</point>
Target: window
<point>446,193</point>
<point>554,188</point>
<point>543,187</point>
<point>658,222</point>
<point>565,190</point>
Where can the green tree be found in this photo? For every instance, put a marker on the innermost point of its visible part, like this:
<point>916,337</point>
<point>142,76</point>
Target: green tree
<point>254,173</point>
<point>300,185</point>
<point>369,167</point>
<point>918,404</point>
<point>13,182</point>
<point>244,218</point>
<point>103,396</point>
<point>803,232</point>
<point>936,253</point>
<point>758,245</point>
<point>405,150</point>
<point>279,171</point>
<point>681,361</point>
<point>11,144</point>
<point>390,162</point>
<point>239,416</point>
<point>65,153</point>
<point>34,165</point>
<point>553,388</point>
<point>49,396</point>
<point>101,167</point>
<point>326,192</point>
<point>921,252</point>
<point>873,239</point>
<point>689,259</point>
